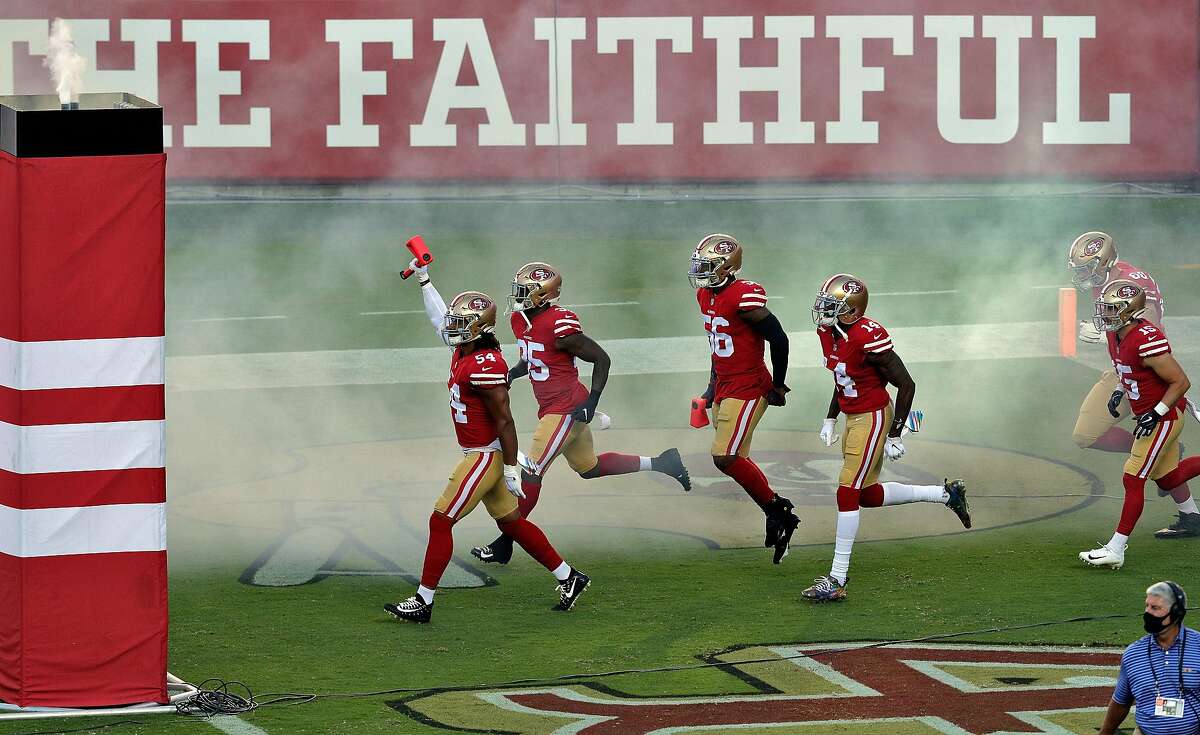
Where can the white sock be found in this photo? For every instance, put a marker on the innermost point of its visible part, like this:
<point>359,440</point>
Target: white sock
<point>1117,542</point>
<point>847,529</point>
<point>1188,506</point>
<point>897,493</point>
<point>562,571</point>
<point>645,466</point>
<point>425,594</point>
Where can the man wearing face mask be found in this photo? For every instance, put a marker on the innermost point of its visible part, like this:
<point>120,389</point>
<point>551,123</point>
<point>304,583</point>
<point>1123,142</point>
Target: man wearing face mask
<point>1160,672</point>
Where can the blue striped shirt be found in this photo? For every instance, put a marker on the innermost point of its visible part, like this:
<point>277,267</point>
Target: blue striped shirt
<point>1147,672</point>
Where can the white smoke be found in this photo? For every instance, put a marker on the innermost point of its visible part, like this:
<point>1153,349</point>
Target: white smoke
<point>66,65</point>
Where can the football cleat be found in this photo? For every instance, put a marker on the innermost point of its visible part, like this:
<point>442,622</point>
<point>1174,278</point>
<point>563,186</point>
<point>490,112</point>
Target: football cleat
<point>957,489</point>
<point>414,609</point>
<point>670,463</point>
<point>781,523</point>
<point>1103,557</point>
<point>570,589</point>
<point>499,551</point>
<point>1186,526</point>
<point>826,589</point>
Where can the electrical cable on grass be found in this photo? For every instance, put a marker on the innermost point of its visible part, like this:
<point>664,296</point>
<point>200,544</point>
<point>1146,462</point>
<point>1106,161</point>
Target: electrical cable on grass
<point>218,700</point>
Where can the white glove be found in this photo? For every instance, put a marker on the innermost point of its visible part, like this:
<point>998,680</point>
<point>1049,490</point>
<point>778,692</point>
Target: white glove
<point>1088,332</point>
<point>422,271</point>
<point>893,448</point>
<point>601,422</point>
<point>1191,407</point>
<point>826,434</point>
<point>512,480</point>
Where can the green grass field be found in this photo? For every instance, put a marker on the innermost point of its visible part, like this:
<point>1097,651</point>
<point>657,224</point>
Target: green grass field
<point>298,507</point>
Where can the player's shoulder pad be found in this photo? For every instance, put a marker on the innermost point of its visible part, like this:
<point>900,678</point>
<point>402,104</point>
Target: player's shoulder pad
<point>873,336</point>
<point>750,295</point>
<point>1151,341</point>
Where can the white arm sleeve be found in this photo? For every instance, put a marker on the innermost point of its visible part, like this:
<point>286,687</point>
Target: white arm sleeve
<point>435,308</point>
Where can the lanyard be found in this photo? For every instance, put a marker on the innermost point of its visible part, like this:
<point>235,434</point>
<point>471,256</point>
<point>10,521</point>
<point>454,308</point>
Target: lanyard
<point>1150,660</point>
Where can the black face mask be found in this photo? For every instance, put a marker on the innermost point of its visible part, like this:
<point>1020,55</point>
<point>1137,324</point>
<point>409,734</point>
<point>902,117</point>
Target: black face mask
<point>1154,624</point>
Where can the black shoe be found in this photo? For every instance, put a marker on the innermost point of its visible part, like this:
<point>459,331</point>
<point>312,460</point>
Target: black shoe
<point>499,551</point>
<point>414,609</point>
<point>781,523</point>
<point>957,489</point>
<point>570,589</point>
<point>1187,526</point>
<point>670,463</point>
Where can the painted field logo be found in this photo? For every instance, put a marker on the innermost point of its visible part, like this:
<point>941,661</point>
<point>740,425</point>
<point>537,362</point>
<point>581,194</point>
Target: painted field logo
<point>821,688</point>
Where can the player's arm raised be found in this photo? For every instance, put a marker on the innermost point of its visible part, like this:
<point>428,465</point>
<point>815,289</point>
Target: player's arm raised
<point>435,306</point>
<point>496,400</point>
<point>1165,367</point>
<point>766,324</point>
<point>585,348</point>
<point>892,368</point>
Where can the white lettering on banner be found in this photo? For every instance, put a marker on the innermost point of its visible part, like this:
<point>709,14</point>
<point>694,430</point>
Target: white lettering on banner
<point>145,34</point>
<point>949,30</point>
<point>854,79</point>
<point>354,82</point>
<point>212,83</point>
<point>733,79</point>
<point>81,363</point>
<point>35,32</point>
<point>464,36</point>
<point>1067,128</point>
<point>645,33</point>
<point>114,445</point>
<point>561,33</point>
<point>95,529</point>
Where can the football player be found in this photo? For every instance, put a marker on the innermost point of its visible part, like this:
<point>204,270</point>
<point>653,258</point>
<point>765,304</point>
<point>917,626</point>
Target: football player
<point>551,339</point>
<point>859,352</point>
<point>1093,263</point>
<point>488,470</point>
<point>740,387</point>
<point>1154,384</point>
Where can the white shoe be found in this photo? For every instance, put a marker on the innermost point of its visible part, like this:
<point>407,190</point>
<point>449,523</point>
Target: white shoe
<point>1103,557</point>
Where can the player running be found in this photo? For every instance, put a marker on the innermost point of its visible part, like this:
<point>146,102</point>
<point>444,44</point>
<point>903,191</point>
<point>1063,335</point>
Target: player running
<point>1093,263</point>
<point>1155,385</point>
<point>859,352</point>
<point>740,388</point>
<point>551,338</point>
<point>488,470</point>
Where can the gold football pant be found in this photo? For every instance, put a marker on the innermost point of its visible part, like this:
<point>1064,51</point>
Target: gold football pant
<point>862,447</point>
<point>1158,454</point>
<point>558,433</point>
<point>478,477</point>
<point>735,420</point>
<point>1094,418</point>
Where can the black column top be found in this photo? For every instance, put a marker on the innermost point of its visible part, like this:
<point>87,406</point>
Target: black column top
<point>105,124</point>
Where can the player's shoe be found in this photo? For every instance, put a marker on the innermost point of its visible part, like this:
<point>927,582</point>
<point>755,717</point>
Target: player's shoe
<point>570,589</point>
<point>781,523</point>
<point>414,609</point>
<point>826,589</point>
<point>1103,557</point>
<point>957,490</point>
<point>499,551</point>
<point>1186,526</point>
<point>670,463</point>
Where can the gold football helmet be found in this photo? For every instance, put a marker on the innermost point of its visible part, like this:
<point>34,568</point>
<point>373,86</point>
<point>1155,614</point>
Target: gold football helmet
<point>1122,302</point>
<point>716,259</point>
<point>534,285</point>
<point>839,295</point>
<point>471,315</point>
<point>1090,258</point>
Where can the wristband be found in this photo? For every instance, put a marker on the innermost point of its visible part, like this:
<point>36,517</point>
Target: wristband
<point>1161,409</point>
<point>423,279</point>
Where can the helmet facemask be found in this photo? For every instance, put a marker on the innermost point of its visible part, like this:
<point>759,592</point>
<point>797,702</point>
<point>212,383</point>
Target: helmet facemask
<point>1087,276</point>
<point>457,328</point>
<point>826,310</point>
<point>1111,317</point>
<point>518,298</point>
<point>707,272</point>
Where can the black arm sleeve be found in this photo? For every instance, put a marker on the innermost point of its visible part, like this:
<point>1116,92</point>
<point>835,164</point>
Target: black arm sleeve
<point>772,331</point>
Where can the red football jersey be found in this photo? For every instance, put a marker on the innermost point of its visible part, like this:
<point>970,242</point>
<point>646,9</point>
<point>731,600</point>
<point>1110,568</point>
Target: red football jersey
<point>552,371</point>
<point>1143,387</point>
<point>859,384</point>
<point>469,374</point>
<point>737,349</point>
<point>1126,272</point>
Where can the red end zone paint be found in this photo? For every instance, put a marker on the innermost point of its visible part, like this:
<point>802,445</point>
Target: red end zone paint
<point>893,682</point>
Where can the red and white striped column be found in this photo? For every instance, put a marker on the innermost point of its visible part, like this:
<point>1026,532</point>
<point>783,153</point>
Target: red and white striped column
<point>83,569</point>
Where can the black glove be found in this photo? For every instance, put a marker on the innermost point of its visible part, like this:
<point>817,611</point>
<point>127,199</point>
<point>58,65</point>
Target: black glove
<point>1146,423</point>
<point>586,411</point>
<point>1114,403</point>
<point>775,396</point>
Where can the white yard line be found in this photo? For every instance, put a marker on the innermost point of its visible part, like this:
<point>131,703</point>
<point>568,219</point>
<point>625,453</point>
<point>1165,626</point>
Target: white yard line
<point>604,303</point>
<point>238,318</point>
<point>382,313</point>
<point>234,726</point>
<point>914,293</point>
<point>1053,285</point>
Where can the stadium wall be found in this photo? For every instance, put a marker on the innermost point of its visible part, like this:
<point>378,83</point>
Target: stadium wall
<point>652,90</point>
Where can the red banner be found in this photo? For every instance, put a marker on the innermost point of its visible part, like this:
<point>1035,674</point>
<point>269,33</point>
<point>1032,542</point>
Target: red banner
<point>641,90</point>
